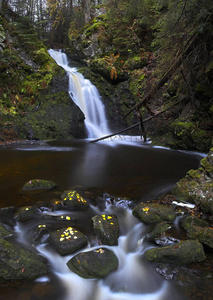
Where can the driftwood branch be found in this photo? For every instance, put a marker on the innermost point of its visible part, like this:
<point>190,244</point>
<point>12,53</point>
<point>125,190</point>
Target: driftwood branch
<point>136,124</point>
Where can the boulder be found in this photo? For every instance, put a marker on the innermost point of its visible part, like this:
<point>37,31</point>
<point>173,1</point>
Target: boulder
<point>106,228</point>
<point>51,223</point>
<point>38,184</point>
<point>198,229</point>
<point>97,263</point>
<point>25,213</point>
<point>197,186</point>
<point>184,252</point>
<point>18,263</point>
<point>153,213</point>
<point>67,240</point>
<point>72,200</point>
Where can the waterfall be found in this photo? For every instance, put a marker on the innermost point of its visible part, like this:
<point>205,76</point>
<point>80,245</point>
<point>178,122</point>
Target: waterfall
<point>86,96</point>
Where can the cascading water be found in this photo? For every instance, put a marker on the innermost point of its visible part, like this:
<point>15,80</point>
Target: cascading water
<point>86,96</point>
<point>133,280</point>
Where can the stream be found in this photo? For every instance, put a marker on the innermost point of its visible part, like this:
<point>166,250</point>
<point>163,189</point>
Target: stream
<point>128,170</point>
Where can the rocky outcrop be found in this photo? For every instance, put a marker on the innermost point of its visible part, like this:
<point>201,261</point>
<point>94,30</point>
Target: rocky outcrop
<point>197,186</point>
<point>94,264</point>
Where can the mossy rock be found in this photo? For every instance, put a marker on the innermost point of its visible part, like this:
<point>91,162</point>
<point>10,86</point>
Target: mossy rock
<point>106,228</point>
<point>18,263</point>
<point>191,137</point>
<point>109,71</point>
<point>153,213</point>
<point>184,252</point>
<point>197,186</point>
<point>198,229</point>
<point>67,240</point>
<point>94,264</point>
<point>25,213</point>
<point>73,200</point>
<point>38,184</point>
<point>157,231</point>
<point>4,232</point>
<point>51,223</point>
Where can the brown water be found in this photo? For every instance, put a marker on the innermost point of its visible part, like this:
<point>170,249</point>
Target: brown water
<point>137,171</point>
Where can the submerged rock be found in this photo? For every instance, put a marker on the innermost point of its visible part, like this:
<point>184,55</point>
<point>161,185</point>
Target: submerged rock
<point>38,184</point>
<point>198,229</point>
<point>18,263</point>
<point>153,213</point>
<point>197,186</point>
<point>184,252</point>
<point>94,264</point>
<point>106,228</point>
<point>73,200</point>
<point>67,240</point>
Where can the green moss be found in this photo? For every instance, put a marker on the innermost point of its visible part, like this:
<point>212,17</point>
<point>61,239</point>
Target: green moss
<point>207,165</point>
<point>95,25</point>
<point>38,184</point>
<point>191,137</point>
<point>195,174</point>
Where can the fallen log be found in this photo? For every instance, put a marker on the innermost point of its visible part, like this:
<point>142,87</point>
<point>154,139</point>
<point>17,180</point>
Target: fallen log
<point>136,124</point>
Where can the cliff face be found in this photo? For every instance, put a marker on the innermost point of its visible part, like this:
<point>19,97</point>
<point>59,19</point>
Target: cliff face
<point>34,103</point>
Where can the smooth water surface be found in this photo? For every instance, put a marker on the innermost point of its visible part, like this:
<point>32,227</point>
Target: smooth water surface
<point>140,172</point>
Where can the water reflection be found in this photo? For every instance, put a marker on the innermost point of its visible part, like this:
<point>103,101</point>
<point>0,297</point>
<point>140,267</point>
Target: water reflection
<point>141,172</point>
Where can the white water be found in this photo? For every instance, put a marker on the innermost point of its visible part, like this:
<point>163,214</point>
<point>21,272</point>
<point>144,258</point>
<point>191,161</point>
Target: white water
<point>86,96</point>
<point>133,280</point>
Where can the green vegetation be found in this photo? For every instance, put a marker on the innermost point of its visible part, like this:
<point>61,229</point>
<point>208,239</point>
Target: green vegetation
<point>160,48</point>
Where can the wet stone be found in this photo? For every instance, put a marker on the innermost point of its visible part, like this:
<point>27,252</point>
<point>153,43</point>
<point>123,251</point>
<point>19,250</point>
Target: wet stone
<point>26,213</point>
<point>73,200</point>
<point>94,264</point>
<point>158,231</point>
<point>153,213</point>
<point>38,184</point>
<point>106,228</point>
<point>51,223</point>
<point>4,232</point>
<point>198,229</point>
<point>67,240</point>
<point>18,263</point>
<point>184,252</point>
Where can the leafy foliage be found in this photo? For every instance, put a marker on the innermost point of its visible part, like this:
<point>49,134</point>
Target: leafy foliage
<point>110,62</point>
